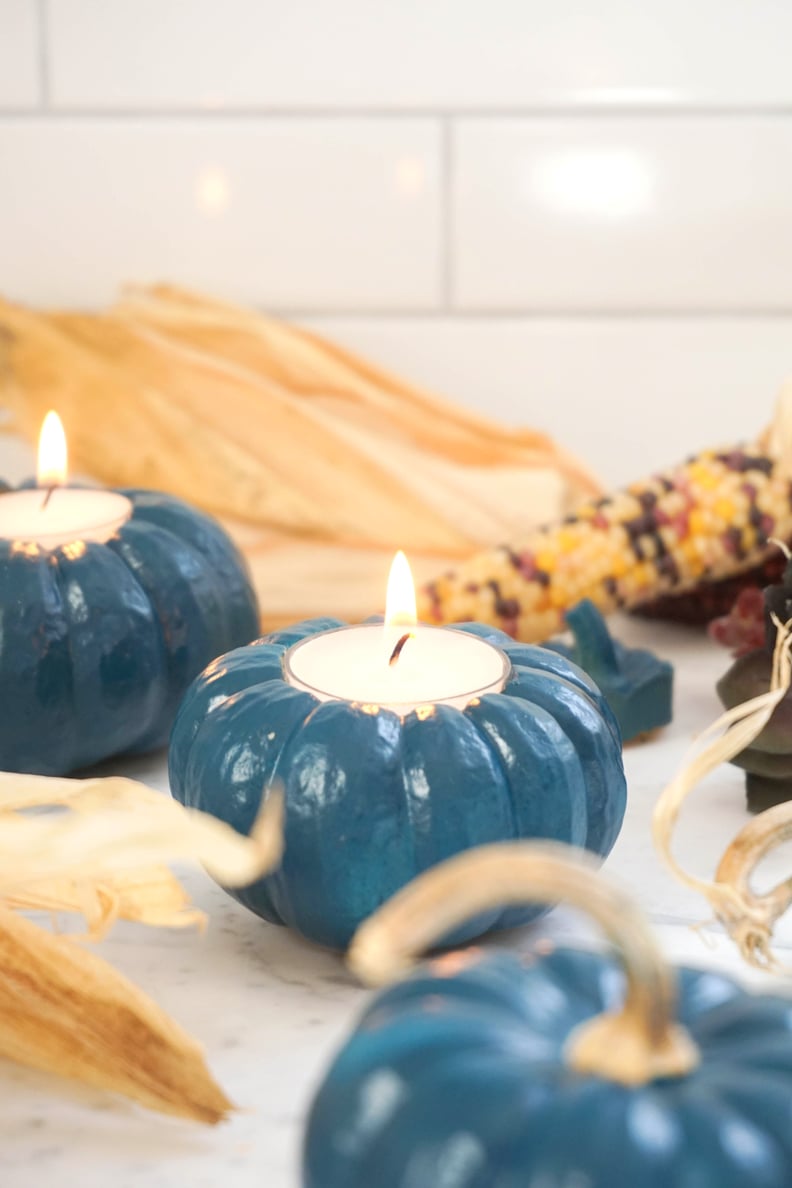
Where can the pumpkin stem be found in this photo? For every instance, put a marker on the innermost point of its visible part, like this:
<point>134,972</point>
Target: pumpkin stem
<point>636,1045</point>
<point>748,919</point>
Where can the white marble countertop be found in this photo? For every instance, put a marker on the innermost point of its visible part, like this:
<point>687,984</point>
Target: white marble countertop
<point>271,1009</point>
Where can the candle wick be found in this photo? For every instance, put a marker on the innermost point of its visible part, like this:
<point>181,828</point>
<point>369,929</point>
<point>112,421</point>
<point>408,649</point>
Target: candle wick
<point>397,651</point>
<point>47,497</point>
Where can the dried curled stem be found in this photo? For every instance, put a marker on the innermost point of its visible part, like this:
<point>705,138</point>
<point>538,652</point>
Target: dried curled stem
<point>637,1044</point>
<point>747,918</point>
<point>752,927</point>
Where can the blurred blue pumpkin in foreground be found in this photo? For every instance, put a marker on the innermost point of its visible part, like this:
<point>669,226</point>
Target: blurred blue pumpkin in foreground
<point>492,1070</point>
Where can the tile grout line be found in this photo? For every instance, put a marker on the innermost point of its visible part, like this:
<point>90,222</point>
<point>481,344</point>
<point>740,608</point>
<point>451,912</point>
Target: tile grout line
<point>518,314</point>
<point>65,111</point>
<point>43,56</point>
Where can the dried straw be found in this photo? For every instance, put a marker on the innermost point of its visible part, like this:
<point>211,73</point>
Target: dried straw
<point>64,1009</point>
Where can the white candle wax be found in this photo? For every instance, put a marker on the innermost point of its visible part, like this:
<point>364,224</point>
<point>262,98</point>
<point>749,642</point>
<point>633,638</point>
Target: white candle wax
<point>436,665</point>
<point>71,514</point>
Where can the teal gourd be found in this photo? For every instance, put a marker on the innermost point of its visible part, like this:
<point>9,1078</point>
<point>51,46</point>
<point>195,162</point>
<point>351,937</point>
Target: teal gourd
<point>372,799</point>
<point>551,1069</point>
<point>100,641</point>
<point>463,1066</point>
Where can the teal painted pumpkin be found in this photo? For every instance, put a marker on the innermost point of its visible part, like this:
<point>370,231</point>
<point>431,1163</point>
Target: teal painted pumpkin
<point>457,1077</point>
<point>99,642</point>
<point>372,799</point>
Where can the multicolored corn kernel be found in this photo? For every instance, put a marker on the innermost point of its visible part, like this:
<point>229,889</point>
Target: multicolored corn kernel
<point>709,600</point>
<point>709,518</point>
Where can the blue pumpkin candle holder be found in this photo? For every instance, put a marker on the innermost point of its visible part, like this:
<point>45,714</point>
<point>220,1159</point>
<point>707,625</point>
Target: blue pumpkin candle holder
<point>382,783</point>
<point>111,602</point>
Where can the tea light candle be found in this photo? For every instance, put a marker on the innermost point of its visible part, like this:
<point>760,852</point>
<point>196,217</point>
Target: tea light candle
<point>52,514</point>
<point>400,665</point>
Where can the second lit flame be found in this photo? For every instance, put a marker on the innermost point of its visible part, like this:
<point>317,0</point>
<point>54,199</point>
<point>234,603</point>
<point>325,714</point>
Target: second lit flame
<point>400,608</point>
<point>53,460</point>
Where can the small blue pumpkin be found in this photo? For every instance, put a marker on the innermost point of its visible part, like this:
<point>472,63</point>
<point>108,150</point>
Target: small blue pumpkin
<point>100,641</point>
<point>372,799</point>
<point>465,1075</point>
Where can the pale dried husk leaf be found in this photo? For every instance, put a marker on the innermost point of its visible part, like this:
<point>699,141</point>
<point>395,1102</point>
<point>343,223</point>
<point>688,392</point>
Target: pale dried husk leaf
<point>150,895</point>
<point>115,824</point>
<point>65,1010</point>
<point>747,918</point>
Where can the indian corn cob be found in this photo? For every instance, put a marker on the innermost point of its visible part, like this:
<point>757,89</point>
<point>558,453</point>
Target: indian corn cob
<point>711,517</point>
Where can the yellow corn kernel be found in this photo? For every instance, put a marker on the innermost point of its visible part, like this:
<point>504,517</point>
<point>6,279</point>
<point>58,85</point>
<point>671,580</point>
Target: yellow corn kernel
<point>724,508</point>
<point>568,539</point>
<point>546,560</point>
<point>558,596</point>
<point>704,473</point>
<point>697,522</point>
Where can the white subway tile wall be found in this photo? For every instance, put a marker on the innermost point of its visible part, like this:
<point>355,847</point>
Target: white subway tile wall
<point>626,214</point>
<point>20,64</point>
<point>465,54</point>
<point>302,213</point>
<point>575,215</point>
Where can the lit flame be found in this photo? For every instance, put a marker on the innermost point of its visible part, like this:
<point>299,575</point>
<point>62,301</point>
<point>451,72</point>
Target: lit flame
<point>400,608</point>
<point>53,459</point>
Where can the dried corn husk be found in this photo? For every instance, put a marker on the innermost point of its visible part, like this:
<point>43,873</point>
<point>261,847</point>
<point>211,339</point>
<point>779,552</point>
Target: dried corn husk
<point>116,824</point>
<point>65,1010</point>
<point>151,895</point>
<point>316,461</point>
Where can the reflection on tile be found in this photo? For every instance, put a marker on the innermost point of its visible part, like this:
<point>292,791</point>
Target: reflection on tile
<point>212,191</point>
<point>19,68</point>
<point>610,214</point>
<point>276,212</point>
<point>415,53</point>
<point>612,184</point>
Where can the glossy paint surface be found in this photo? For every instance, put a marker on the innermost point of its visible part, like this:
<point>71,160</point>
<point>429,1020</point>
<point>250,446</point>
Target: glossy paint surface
<point>373,799</point>
<point>457,1077</point>
<point>100,641</point>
